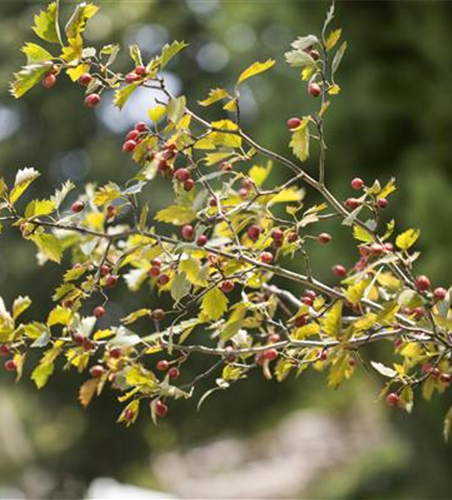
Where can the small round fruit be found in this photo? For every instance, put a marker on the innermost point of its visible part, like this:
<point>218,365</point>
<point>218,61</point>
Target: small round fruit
<point>243,192</point>
<point>311,294</point>
<point>158,315</point>
<point>77,207</point>
<point>141,70</point>
<point>163,279</point>
<point>254,232</point>
<point>357,183</point>
<point>277,235</point>
<point>133,135</point>
<point>445,378</point>
<point>225,166</point>
<point>5,350</point>
<point>99,311</point>
<point>392,399</point>
<point>422,283</point>
<point>324,238</point>
<point>314,89</point>
<point>132,77</point>
<point>274,337</point>
<point>85,79</point>
<point>49,81</point>
<point>339,271</point>
<point>129,415</point>
<point>270,354</point>
<point>129,146</point>
<point>154,271</point>
<point>141,126</point>
<point>10,365</point>
<point>440,293</point>
<point>92,100</point>
<point>116,352</point>
<point>162,365</point>
<point>307,301</point>
<point>352,203</point>
<point>104,269</point>
<point>323,355</point>
<point>111,281</point>
<point>314,54</point>
<point>174,373</point>
<point>213,202</point>
<point>201,240</point>
<point>157,261</point>
<point>301,320</point>
<point>187,232</point>
<point>292,237</point>
<point>227,286</point>
<point>161,409</point>
<point>97,371</point>
<point>266,257</point>
<point>162,165</point>
<point>189,184</point>
<point>293,123</point>
<point>182,174</point>
<point>382,203</point>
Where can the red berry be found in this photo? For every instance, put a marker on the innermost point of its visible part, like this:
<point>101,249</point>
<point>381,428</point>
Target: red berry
<point>301,320</point>
<point>307,301</point>
<point>158,315</point>
<point>5,350</point>
<point>292,237</point>
<point>10,365</point>
<point>116,352</point>
<point>49,81</point>
<point>266,257</point>
<point>129,146</point>
<point>422,283</point>
<point>174,373</point>
<point>141,70</point>
<point>129,415</point>
<point>270,354</point>
<point>154,271</point>
<point>376,249</point>
<point>225,166</point>
<point>188,232</point>
<point>254,232</point>
<point>277,234</point>
<point>314,89</point>
<point>202,240</point>
<point>132,77</point>
<point>293,123</point>
<point>133,135</point>
<point>88,344</point>
<point>314,54</point>
<point>97,371</point>
<point>440,293</point>
<point>99,311</point>
<point>445,378</point>
<point>339,271</point>
<point>162,365</point>
<point>324,238</point>
<point>189,184</point>
<point>141,127</point>
<point>161,409</point>
<point>104,269</point>
<point>168,154</point>
<point>111,212</point>
<point>92,100</point>
<point>213,202</point>
<point>352,203</point>
<point>77,206</point>
<point>311,294</point>
<point>274,337</point>
<point>182,174</point>
<point>227,286</point>
<point>389,247</point>
<point>85,79</point>
<point>243,193</point>
<point>78,338</point>
<point>382,203</point>
<point>162,166</point>
<point>111,281</point>
<point>357,183</point>
<point>323,355</point>
<point>435,373</point>
<point>392,399</point>
<point>163,279</point>
<point>157,261</point>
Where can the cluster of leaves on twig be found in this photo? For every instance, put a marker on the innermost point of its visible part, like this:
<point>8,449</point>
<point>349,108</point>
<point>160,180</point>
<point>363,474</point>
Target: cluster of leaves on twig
<point>217,247</point>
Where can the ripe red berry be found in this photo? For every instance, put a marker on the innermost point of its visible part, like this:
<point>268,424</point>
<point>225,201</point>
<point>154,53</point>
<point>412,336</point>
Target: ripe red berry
<point>111,281</point>
<point>339,271</point>
<point>314,54</point>
<point>49,81</point>
<point>440,293</point>
<point>141,70</point>
<point>311,294</point>
<point>188,232</point>
<point>254,232</point>
<point>5,350</point>
<point>158,315</point>
<point>154,271</point>
<point>445,378</point>
<point>104,269</point>
<point>97,371</point>
<point>116,352</point>
<point>314,89</point>
<point>129,415</point>
<point>162,365</point>
<point>163,279</point>
<point>243,193</point>
<point>270,354</point>
<point>77,207</point>
<point>99,311</point>
<point>307,301</point>
<point>274,337</point>
<point>376,249</point>
<point>201,240</point>
<point>213,202</point>
<point>422,283</point>
<point>301,320</point>
<point>266,257</point>
<point>78,338</point>
<point>182,174</point>
<point>389,247</point>
<point>161,409</point>
<point>133,135</point>
<point>85,79</point>
<point>277,234</point>
<point>174,373</point>
<point>357,183</point>
<point>293,123</point>
<point>189,184</point>
<point>92,100</point>
<point>324,238</point>
<point>225,166</point>
<point>10,365</point>
<point>132,77</point>
<point>227,286</point>
<point>162,166</point>
<point>352,203</point>
<point>168,154</point>
<point>111,212</point>
<point>292,237</point>
<point>141,127</point>
<point>323,355</point>
<point>392,399</point>
<point>382,203</point>
<point>129,146</point>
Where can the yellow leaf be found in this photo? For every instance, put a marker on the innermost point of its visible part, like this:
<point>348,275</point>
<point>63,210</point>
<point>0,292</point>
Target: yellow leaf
<point>59,316</point>
<point>355,292</point>
<point>157,112</point>
<point>333,38</point>
<point>332,321</point>
<point>214,305</point>
<point>75,73</point>
<point>215,95</point>
<point>259,174</point>
<point>177,215</point>
<point>407,239</point>
<point>334,89</point>
<point>87,391</point>
<point>300,140</point>
<point>255,69</point>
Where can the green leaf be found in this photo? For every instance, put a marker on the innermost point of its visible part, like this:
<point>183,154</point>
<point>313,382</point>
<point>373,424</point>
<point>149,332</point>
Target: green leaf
<point>338,57</point>
<point>255,69</point>
<point>214,305</point>
<point>300,141</point>
<point>35,53</point>
<point>27,78</point>
<point>332,321</point>
<point>49,245</point>
<point>407,239</point>
<point>46,24</point>
<point>177,215</point>
<point>39,207</point>
<point>77,23</point>
<point>123,94</point>
<point>180,287</point>
<point>170,51</point>
<point>41,374</point>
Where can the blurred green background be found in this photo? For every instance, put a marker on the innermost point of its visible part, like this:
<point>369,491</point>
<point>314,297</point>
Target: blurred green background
<point>393,117</point>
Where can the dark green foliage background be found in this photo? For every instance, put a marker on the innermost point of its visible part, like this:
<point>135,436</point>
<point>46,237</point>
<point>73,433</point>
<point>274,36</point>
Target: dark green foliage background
<point>393,117</point>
